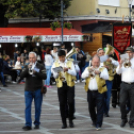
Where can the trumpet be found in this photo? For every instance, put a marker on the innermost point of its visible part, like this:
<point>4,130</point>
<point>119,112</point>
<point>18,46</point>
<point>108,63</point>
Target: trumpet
<point>127,64</point>
<point>30,69</point>
<point>92,72</point>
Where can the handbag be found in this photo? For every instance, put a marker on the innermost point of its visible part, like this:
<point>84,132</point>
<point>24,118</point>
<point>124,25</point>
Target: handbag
<point>44,90</point>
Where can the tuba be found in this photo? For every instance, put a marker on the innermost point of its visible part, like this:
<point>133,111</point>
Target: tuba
<point>109,49</point>
<point>71,52</point>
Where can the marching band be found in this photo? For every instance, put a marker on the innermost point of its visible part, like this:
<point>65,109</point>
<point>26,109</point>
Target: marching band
<point>100,77</point>
<point>99,81</point>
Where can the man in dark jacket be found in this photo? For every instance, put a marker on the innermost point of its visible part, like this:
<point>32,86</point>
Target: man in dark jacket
<point>34,74</point>
<point>1,71</point>
<point>8,70</point>
<point>81,57</point>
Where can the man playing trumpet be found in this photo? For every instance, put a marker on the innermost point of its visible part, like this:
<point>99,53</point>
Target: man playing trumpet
<point>95,88</point>
<point>127,88</point>
<point>65,83</point>
<point>34,74</point>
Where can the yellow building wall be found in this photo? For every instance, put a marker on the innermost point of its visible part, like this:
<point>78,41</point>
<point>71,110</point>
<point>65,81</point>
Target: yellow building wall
<point>88,7</point>
<point>81,7</point>
<point>94,45</point>
<point>123,9</point>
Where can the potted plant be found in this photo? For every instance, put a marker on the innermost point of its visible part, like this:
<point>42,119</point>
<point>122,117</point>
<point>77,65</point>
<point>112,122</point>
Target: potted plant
<point>67,25</point>
<point>55,25</point>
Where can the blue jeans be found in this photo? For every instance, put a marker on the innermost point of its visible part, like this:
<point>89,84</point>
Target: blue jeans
<point>78,75</point>
<point>29,96</point>
<point>2,78</point>
<point>48,72</point>
<point>107,96</point>
<point>96,100</point>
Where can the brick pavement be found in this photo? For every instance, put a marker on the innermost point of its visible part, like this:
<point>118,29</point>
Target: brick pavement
<point>12,114</point>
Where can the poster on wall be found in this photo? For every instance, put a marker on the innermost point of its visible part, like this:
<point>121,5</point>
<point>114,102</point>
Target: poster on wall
<point>122,33</point>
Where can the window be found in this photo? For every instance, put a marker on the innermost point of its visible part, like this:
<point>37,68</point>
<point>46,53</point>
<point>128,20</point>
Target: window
<point>109,2</point>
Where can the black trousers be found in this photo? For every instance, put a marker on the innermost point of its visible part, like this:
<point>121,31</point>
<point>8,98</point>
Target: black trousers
<point>116,89</point>
<point>13,74</point>
<point>96,106</point>
<point>66,96</point>
<point>127,93</point>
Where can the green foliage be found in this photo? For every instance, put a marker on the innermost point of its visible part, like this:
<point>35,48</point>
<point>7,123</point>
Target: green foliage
<point>67,25</point>
<point>55,25</point>
<point>33,8</point>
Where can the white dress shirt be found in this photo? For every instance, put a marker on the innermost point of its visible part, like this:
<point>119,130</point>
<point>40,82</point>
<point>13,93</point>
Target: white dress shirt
<point>127,74</point>
<point>77,68</point>
<point>33,65</point>
<point>93,84</point>
<point>71,71</point>
<point>17,64</point>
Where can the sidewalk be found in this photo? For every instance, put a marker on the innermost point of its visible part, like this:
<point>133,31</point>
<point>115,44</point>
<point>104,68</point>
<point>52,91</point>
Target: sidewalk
<point>12,114</point>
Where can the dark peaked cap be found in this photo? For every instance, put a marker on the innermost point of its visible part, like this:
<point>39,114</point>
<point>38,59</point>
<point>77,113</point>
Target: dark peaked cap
<point>130,49</point>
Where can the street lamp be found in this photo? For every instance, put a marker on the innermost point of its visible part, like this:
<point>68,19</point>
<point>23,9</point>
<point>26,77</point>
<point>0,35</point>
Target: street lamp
<point>130,10</point>
<point>62,21</point>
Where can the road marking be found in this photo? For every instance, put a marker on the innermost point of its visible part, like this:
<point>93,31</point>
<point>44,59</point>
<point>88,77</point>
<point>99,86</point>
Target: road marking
<point>78,114</point>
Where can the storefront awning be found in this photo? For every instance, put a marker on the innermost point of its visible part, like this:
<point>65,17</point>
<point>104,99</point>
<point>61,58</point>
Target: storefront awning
<point>19,35</point>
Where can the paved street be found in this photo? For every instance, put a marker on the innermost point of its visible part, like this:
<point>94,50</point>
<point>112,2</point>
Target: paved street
<point>12,114</point>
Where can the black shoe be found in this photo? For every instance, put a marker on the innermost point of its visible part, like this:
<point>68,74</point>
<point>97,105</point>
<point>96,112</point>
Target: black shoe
<point>4,85</point>
<point>26,128</point>
<point>114,105</point>
<point>64,126</point>
<point>74,117</point>
<point>106,115</point>
<point>71,124</point>
<point>36,127</point>
<point>123,123</point>
<point>94,124</point>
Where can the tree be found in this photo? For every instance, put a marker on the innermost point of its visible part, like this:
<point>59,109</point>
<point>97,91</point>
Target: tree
<point>30,8</point>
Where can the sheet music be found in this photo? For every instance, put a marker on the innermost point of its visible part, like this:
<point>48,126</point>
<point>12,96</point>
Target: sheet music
<point>124,57</point>
<point>58,69</point>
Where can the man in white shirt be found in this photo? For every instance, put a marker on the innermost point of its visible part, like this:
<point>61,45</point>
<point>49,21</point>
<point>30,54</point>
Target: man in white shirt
<point>127,88</point>
<point>18,63</point>
<point>65,78</point>
<point>95,88</point>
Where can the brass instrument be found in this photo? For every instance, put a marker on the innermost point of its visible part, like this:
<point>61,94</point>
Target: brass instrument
<point>30,69</point>
<point>109,49</point>
<point>71,52</point>
<point>127,64</point>
<point>92,72</point>
<point>108,63</point>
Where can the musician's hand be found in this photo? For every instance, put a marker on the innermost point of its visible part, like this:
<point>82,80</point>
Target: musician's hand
<point>34,72</point>
<point>65,69</point>
<point>97,72</point>
<point>91,69</point>
<point>30,66</point>
<point>120,63</point>
<point>109,60</point>
<point>106,67</point>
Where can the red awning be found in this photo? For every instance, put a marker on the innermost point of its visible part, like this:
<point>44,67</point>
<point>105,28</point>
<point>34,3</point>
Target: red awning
<point>12,35</point>
<point>36,31</point>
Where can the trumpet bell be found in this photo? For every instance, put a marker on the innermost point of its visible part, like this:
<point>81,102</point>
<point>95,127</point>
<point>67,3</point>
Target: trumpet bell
<point>127,64</point>
<point>109,49</point>
<point>71,52</point>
